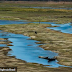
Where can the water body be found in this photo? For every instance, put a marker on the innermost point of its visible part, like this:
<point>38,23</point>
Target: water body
<point>4,22</point>
<point>64,28</point>
<point>47,8</point>
<point>3,45</point>
<point>26,49</point>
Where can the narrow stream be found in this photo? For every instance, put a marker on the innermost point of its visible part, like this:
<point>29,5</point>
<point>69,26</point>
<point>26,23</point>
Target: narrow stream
<point>6,22</point>
<point>64,28</point>
<point>26,49</point>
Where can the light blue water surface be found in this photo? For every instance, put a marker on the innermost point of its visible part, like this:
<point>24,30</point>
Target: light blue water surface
<point>6,22</point>
<point>64,28</point>
<point>26,49</point>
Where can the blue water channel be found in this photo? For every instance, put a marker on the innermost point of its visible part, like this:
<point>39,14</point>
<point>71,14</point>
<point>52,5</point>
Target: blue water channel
<point>26,49</point>
<point>4,22</point>
<point>64,28</point>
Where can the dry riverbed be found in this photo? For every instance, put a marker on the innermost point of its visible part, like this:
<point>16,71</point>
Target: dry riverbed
<point>53,40</point>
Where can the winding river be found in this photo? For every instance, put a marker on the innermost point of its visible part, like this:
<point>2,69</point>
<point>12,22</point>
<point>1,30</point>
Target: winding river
<point>26,49</point>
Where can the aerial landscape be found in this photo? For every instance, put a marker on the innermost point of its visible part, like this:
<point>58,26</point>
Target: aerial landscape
<point>36,35</point>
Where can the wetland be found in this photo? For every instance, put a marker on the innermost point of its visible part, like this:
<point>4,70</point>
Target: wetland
<point>45,42</point>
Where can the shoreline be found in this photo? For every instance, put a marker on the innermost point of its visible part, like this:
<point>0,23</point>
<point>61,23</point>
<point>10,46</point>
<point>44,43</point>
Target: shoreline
<point>22,66</point>
<point>50,44</point>
<point>18,62</point>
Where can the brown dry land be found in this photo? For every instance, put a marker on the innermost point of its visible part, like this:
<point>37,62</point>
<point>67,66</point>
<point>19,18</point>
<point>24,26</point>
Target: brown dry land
<point>54,41</point>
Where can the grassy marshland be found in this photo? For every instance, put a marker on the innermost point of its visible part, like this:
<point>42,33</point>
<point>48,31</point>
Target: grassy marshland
<point>53,40</point>
<point>31,14</point>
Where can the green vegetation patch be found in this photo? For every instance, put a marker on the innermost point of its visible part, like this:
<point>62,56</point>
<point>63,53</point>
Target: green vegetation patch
<point>31,14</point>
